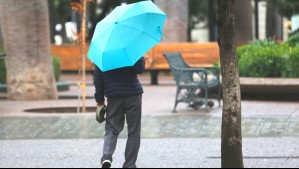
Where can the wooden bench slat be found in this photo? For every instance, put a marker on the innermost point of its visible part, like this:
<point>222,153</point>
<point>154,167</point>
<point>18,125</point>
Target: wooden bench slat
<point>195,54</point>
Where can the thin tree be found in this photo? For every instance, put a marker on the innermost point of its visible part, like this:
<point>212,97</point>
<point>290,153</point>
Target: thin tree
<point>81,7</point>
<point>231,137</point>
<point>26,36</point>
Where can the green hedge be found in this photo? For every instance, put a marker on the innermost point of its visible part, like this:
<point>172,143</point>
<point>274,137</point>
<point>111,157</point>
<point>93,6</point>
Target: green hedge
<point>2,72</point>
<point>268,58</point>
<point>2,68</point>
<point>292,66</point>
<point>56,67</point>
<point>263,59</point>
<point>293,39</point>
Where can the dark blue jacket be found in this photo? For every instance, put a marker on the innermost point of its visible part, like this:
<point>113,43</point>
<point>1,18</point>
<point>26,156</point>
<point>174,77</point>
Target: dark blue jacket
<point>120,82</point>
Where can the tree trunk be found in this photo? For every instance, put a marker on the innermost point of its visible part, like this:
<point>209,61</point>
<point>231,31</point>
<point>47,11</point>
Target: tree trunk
<point>231,144</point>
<point>176,27</point>
<point>25,27</point>
<point>274,22</point>
<point>53,17</point>
<point>243,20</point>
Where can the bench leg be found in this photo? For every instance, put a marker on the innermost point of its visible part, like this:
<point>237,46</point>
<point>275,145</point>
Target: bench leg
<point>206,100</point>
<point>176,100</point>
<point>219,95</point>
<point>154,77</point>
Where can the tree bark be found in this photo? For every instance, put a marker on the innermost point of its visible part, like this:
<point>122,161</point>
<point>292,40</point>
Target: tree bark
<point>176,27</point>
<point>243,20</point>
<point>25,27</point>
<point>231,144</point>
<point>53,17</point>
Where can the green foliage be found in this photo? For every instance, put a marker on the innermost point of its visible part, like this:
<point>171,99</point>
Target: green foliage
<point>2,72</point>
<point>217,65</point>
<point>293,39</point>
<point>56,67</point>
<point>292,67</point>
<point>2,68</point>
<point>264,59</point>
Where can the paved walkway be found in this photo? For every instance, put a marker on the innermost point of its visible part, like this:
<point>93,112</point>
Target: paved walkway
<point>186,139</point>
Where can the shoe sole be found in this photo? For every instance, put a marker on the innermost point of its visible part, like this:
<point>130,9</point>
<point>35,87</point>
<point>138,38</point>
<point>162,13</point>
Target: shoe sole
<point>106,164</point>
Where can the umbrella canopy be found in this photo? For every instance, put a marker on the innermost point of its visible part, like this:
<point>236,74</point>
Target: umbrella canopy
<point>126,34</point>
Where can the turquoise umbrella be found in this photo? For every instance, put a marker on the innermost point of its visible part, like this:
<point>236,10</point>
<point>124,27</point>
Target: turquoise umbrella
<point>126,34</point>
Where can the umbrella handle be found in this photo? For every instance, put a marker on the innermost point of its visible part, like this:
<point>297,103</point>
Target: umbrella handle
<point>162,34</point>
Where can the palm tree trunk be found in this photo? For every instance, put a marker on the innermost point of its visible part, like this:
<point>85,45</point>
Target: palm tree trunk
<point>176,27</point>
<point>231,138</point>
<point>25,27</point>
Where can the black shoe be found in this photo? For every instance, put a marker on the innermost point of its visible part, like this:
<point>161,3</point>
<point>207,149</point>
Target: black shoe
<point>106,161</point>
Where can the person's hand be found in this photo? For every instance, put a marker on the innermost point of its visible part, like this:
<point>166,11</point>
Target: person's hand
<point>145,58</point>
<point>100,104</point>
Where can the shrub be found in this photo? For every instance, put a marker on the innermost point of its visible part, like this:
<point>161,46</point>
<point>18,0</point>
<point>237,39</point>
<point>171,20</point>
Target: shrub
<point>293,39</point>
<point>217,65</point>
<point>56,67</point>
<point>2,72</point>
<point>292,67</point>
<point>263,59</point>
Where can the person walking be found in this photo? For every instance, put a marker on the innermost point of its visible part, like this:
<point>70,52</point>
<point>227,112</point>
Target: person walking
<point>124,101</point>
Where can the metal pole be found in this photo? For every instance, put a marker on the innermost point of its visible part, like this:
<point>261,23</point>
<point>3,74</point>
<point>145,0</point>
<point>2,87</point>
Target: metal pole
<point>256,11</point>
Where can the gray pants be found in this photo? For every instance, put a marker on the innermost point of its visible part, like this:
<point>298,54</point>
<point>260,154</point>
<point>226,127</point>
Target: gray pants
<point>117,110</point>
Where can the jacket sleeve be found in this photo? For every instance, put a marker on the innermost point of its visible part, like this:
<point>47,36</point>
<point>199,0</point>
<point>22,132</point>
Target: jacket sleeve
<point>139,66</point>
<point>99,85</point>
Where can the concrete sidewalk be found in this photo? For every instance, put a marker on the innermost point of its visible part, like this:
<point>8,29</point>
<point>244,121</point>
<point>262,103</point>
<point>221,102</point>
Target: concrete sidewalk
<point>187,139</point>
<point>154,153</point>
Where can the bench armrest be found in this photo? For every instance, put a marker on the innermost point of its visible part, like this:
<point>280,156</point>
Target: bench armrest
<point>214,70</point>
<point>202,73</point>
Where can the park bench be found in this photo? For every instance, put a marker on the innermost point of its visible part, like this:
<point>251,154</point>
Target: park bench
<point>197,81</point>
<point>70,57</point>
<point>194,54</point>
